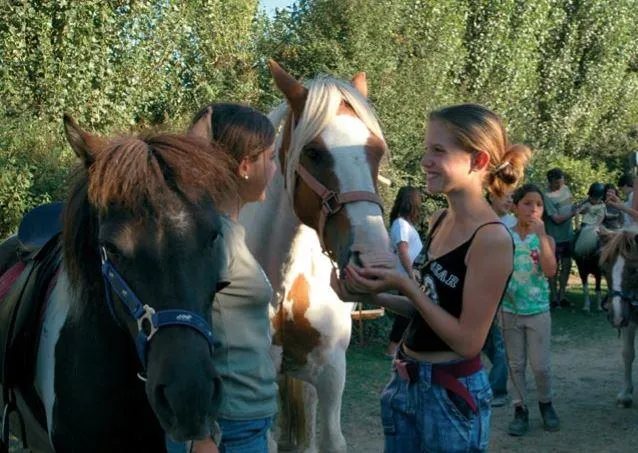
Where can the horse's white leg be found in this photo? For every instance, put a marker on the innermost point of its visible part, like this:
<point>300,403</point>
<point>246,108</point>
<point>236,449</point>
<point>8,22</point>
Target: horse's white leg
<point>587,302</point>
<point>624,398</point>
<point>310,409</point>
<point>330,385</point>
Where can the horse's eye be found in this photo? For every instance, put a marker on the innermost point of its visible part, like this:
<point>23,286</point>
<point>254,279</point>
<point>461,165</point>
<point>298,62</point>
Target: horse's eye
<point>111,249</point>
<point>212,239</point>
<point>314,154</point>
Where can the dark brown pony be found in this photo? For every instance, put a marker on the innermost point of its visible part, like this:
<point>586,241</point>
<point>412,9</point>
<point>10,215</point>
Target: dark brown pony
<point>145,205</point>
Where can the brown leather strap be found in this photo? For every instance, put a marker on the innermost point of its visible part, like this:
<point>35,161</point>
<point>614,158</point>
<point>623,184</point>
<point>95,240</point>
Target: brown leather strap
<point>332,202</point>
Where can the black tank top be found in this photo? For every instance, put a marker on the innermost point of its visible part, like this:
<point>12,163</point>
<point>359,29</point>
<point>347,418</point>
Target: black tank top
<point>442,280</point>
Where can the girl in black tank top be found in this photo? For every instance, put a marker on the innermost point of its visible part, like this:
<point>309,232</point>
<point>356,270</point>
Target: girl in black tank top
<point>470,261</point>
<point>442,280</point>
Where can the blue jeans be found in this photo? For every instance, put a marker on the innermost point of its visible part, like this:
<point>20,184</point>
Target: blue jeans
<point>494,349</point>
<point>423,417</point>
<point>245,436</point>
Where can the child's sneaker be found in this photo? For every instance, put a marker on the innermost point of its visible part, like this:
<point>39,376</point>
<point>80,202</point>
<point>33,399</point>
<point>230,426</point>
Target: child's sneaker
<point>520,424</point>
<point>550,418</point>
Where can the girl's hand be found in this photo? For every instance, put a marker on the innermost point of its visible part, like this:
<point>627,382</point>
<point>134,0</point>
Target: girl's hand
<point>537,226</point>
<point>376,280</point>
<point>612,198</point>
<point>346,291</point>
<point>204,446</point>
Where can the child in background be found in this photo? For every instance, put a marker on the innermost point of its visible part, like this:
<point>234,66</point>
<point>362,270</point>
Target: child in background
<point>494,347</point>
<point>502,206</point>
<point>614,218</point>
<point>525,316</point>
<point>559,211</point>
<point>593,212</point>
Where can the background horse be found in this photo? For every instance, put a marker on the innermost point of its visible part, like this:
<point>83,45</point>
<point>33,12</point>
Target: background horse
<point>141,222</point>
<point>619,259</point>
<point>321,208</point>
<point>587,261</point>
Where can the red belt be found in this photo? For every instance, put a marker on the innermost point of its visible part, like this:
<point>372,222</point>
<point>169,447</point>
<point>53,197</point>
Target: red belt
<point>446,376</point>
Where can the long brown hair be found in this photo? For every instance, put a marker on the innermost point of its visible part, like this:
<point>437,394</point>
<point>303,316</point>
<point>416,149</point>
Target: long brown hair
<point>240,130</point>
<point>405,206</point>
<point>476,128</point>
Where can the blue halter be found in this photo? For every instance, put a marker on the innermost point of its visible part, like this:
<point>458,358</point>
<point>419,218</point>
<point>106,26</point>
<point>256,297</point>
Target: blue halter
<point>148,320</point>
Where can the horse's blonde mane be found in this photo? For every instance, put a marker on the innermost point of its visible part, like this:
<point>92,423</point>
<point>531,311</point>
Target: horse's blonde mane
<point>325,95</point>
<point>624,242</point>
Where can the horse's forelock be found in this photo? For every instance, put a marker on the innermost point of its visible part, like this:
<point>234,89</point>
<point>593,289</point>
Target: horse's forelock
<point>137,172</point>
<point>325,95</point>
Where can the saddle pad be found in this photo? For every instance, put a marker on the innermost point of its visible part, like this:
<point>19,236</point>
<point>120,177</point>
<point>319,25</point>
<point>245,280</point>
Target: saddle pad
<point>9,277</point>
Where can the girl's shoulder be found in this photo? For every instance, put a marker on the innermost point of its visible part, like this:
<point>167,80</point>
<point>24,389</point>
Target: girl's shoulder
<point>493,238</point>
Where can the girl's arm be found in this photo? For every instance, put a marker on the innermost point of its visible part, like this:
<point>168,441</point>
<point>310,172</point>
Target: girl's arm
<point>547,246</point>
<point>548,257</point>
<point>404,256</point>
<point>622,207</point>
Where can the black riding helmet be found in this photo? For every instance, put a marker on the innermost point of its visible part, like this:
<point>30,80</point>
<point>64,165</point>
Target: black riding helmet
<point>597,190</point>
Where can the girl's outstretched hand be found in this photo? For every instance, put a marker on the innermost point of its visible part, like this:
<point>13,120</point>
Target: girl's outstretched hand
<point>375,279</point>
<point>346,291</point>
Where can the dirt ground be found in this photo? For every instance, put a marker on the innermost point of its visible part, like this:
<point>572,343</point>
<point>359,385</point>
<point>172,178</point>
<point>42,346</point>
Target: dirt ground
<point>587,378</point>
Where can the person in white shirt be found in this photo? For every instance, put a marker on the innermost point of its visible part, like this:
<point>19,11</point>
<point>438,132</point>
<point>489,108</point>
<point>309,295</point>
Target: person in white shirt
<point>406,243</point>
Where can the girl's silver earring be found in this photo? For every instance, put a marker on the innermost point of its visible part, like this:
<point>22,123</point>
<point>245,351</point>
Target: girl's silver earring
<point>246,177</point>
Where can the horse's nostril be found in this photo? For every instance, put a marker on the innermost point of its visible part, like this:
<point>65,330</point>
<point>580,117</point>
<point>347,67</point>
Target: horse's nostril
<point>356,258</point>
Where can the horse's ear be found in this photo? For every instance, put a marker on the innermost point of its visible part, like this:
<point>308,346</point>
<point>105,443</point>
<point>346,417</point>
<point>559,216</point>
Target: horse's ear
<point>202,128</point>
<point>294,91</point>
<point>82,143</point>
<point>360,82</point>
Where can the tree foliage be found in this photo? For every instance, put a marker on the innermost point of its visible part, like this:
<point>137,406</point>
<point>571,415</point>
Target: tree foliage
<point>562,73</point>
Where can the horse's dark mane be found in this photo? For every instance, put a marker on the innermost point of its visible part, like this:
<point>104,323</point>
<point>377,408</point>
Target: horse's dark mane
<point>80,237</point>
<point>623,242</point>
<point>138,174</point>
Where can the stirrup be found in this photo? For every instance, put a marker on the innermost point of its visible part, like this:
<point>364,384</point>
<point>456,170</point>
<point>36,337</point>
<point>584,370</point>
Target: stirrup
<point>5,430</point>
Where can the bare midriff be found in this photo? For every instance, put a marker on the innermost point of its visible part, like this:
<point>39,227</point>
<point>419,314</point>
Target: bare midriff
<point>432,356</point>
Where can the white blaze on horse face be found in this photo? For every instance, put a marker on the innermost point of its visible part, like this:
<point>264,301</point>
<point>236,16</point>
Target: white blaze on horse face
<point>346,138</point>
<point>616,285</point>
<point>55,316</point>
<point>180,221</point>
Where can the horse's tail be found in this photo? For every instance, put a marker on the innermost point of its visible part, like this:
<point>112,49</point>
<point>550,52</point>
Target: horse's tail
<point>292,415</point>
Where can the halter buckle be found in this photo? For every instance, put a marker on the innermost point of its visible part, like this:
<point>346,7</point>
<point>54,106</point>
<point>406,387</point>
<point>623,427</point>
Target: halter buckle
<point>147,316</point>
<point>331,203</point>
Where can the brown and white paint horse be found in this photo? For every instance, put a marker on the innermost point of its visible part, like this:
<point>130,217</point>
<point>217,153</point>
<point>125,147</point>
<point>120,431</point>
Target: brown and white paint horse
<point>329,148</point>
<point>619,259</point>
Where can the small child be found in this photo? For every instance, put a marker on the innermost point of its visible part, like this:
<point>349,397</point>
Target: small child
<point>525,316</point>
<point>593,212</point>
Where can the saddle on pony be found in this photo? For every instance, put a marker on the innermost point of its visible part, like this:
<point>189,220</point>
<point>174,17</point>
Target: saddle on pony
<point>33,261</point>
